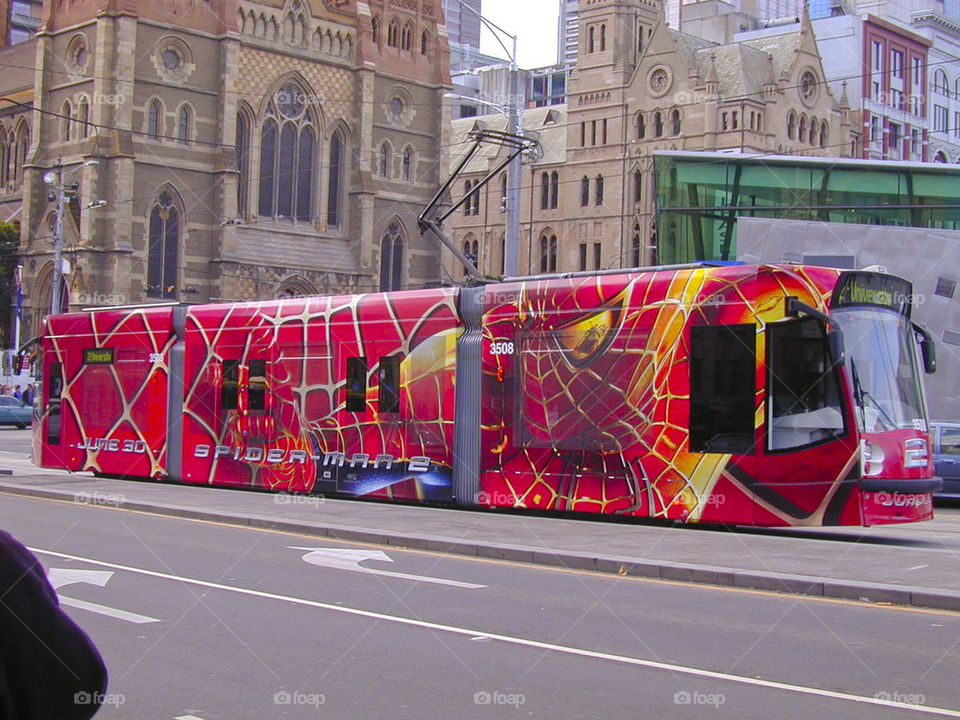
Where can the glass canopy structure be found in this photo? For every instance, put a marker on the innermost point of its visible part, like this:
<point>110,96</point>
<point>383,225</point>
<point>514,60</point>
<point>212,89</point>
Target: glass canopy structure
<point>701,195</point>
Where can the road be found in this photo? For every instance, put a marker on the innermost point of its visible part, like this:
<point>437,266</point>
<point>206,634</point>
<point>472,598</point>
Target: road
<point>200,620</point>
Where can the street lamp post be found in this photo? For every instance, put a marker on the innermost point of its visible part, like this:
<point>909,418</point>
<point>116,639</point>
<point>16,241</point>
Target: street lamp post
<point>55,182</point>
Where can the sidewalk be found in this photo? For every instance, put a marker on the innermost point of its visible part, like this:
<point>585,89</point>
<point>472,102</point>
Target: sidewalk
<point>907,564</point>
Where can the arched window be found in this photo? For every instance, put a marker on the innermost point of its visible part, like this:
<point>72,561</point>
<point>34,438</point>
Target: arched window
<point>635,254</point>
<point>384,164</point>
<point>407,162</point>
<point>791,126</point>
<point>5,147</point>
<point>376,29</point>
<point>424,43</point>
<point>183,126</point>
<point>814,131</point>
<point>406,37</point>
<point>287,157</point>
<point>548,253</point>
<point>590,43</point>
<point>639,38</point>
<point>154,116</point>
<point>940,84</point>
<point>584,191</point>
<point>391,258</point>
<point>658,124</point>
<point>544,191</point>
<point>163,249</point>
<point>84,115</point>
<point>471,250</point>
<point>824,134</point>
<point>335,180</point>
<point>802,131</point>
<point>393,33</point>
<point>19,151</point>
<point>243,163</point>
<point>675,121</point>
<point>603,38</point>
<point>641,127</point>
<point>554,189</point>
<point>637,186</point>
<point>598,190</point>
<point>67,113</point>
<point>940,157</point>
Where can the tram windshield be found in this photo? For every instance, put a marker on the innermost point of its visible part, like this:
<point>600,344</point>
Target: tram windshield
<point>882,356</point>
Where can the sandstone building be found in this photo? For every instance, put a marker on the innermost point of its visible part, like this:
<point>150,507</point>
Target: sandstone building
<point>640,86</point>
<point>224,149</point>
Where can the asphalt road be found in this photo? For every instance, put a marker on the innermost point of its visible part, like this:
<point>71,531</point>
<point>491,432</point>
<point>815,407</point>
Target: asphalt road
<point>200,620</point>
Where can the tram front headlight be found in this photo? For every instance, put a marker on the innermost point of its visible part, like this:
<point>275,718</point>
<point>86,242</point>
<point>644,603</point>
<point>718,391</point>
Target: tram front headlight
<point>871,459</point>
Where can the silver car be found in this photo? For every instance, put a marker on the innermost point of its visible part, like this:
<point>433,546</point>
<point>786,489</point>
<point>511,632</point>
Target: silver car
<point>14,412</point>
<point>946,456</point>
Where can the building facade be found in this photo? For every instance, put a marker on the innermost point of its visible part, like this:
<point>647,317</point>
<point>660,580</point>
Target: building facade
<point>639,86</point>
<point>227,150</point>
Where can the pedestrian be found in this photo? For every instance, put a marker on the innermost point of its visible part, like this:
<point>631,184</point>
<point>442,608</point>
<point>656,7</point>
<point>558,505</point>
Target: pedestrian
<point>28,394</point>
<point>49,668</point>
<point>17,393</point>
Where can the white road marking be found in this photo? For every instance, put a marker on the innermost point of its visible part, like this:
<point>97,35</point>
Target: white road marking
<point>522,642</point>
<point>187,717</point>
<point>348,559</point>
<point>59,577</point>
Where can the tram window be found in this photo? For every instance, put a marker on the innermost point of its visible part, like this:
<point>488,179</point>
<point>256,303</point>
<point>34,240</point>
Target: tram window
<point>390,384</point>
<point>804,402</point>
<point>723,361</point>
<point>257,391</point>
<point>56,389</point>
<point>230,385</point>
<point>356,384</point>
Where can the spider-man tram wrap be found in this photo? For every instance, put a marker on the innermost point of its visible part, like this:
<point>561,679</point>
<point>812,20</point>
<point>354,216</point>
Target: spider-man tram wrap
<point>755,395</point>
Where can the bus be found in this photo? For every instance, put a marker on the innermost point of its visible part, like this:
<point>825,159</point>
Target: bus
<point>765,395</point>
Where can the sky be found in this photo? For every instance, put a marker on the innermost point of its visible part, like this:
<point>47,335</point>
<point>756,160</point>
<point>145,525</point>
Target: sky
<point>534,22</point>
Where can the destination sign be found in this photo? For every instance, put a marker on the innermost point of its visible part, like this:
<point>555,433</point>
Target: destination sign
<point>867,288</point>
<point>98,356</point>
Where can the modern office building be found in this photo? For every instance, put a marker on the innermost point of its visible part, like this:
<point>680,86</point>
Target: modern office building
<point>701,197</point>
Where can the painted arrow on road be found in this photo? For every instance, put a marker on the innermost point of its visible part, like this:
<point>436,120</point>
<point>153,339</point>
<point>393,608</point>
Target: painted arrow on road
<point>343,559</point>
<point>60,577</point>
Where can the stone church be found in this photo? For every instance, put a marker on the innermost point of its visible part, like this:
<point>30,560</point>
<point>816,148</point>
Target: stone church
<point>223,149</point>
<point>640,86</point>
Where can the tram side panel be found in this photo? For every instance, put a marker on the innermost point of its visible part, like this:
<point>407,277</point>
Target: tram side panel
<point>348,395</point>
<point>104,392</point>
<point>647,396</point>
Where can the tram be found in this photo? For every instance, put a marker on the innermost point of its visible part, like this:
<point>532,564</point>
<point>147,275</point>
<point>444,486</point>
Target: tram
<point>770,395</point>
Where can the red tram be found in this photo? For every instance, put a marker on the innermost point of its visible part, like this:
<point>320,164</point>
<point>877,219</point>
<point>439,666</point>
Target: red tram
<point>754,395</point>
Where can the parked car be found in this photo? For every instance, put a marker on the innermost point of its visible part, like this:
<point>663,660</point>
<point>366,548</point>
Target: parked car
<point>14,412</point>
<point>946,456</point>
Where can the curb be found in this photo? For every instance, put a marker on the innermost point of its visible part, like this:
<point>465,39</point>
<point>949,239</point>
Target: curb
<point>794,584</point>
